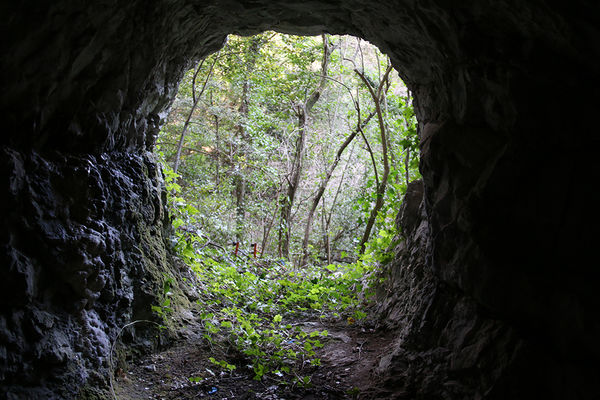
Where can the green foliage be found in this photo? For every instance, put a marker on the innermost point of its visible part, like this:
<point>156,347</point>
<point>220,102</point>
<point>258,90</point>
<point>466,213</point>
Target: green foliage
<point>195,379</point>
<point>253,307</point>
<point>241,139</point>
<point>243,130</point>
<point>163,309</point>
<point>223,364</point>
<point>235,164</point>
<point>404,150</point>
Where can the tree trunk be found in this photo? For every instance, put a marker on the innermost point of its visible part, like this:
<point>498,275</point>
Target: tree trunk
<point>323,186</point>
<point>333,203</point>
<point>303,113</point>
<point>325,227</point>
<point>196,100</point>
<point>406,166</point>
<point>267,230</point>
<point>239,179</point>
<point>376,96</point>
<point>218,157</point>
<point>293,183</point>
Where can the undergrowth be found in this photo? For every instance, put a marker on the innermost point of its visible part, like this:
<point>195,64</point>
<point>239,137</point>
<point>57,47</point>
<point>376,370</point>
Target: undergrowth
<point>253,308</point>
<point>252,311</point>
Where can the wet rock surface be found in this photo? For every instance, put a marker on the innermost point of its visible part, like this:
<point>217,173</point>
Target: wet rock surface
<point>83,254</point>
<point>499,296</point>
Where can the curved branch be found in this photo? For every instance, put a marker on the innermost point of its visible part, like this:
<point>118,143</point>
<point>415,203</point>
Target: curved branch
<point>381,187</point>
<point>189,117</point>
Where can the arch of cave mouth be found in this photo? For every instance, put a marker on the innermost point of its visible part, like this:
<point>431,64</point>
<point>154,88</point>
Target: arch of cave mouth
<point>499,298</point>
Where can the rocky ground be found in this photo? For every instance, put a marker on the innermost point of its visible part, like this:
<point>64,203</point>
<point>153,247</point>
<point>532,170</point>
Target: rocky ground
<point>346,372</point>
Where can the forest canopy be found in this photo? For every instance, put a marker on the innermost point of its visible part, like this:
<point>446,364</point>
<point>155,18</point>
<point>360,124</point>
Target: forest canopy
<point>303,146</point>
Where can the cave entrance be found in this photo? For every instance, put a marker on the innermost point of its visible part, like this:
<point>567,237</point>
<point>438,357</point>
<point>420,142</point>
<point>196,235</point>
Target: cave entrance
<point>286,158</point>
<point>291,147</point>
<point>87,84</point>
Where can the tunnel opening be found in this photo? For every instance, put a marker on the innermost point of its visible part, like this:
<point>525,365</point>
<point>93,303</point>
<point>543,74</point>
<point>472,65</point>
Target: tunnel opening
<point>276,133</point>
<point>499,299</point>
<point>266,116</point>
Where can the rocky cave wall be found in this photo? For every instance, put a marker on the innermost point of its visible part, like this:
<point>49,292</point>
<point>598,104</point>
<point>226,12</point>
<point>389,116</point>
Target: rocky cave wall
<point>82,255</point>
<point>506,95</point>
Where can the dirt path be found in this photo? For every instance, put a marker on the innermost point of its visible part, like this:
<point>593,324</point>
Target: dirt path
<point>347,358</point>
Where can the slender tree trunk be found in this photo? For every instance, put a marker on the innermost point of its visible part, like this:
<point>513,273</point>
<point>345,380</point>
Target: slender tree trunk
<point>303,113</point>
<point>406,166</point>
<point>240,193</point>
<point>268,228</point>
<point>196,100</point>
<point>217,149</point>
<point>407,159</point>
<point>334,202</point>
<point>182,137</point>
<point>372,155</point>
<point>325,227</point>
<point>323,186</point>
<point>293,183</point>
<point>239,179</point>
<point>218,157</point>
<point>376,96</point>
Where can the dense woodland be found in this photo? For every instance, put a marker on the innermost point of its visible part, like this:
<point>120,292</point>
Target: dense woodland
<point>302,145</point>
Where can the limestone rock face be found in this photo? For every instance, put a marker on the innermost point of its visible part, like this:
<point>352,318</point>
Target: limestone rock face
<point>506,94</point>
